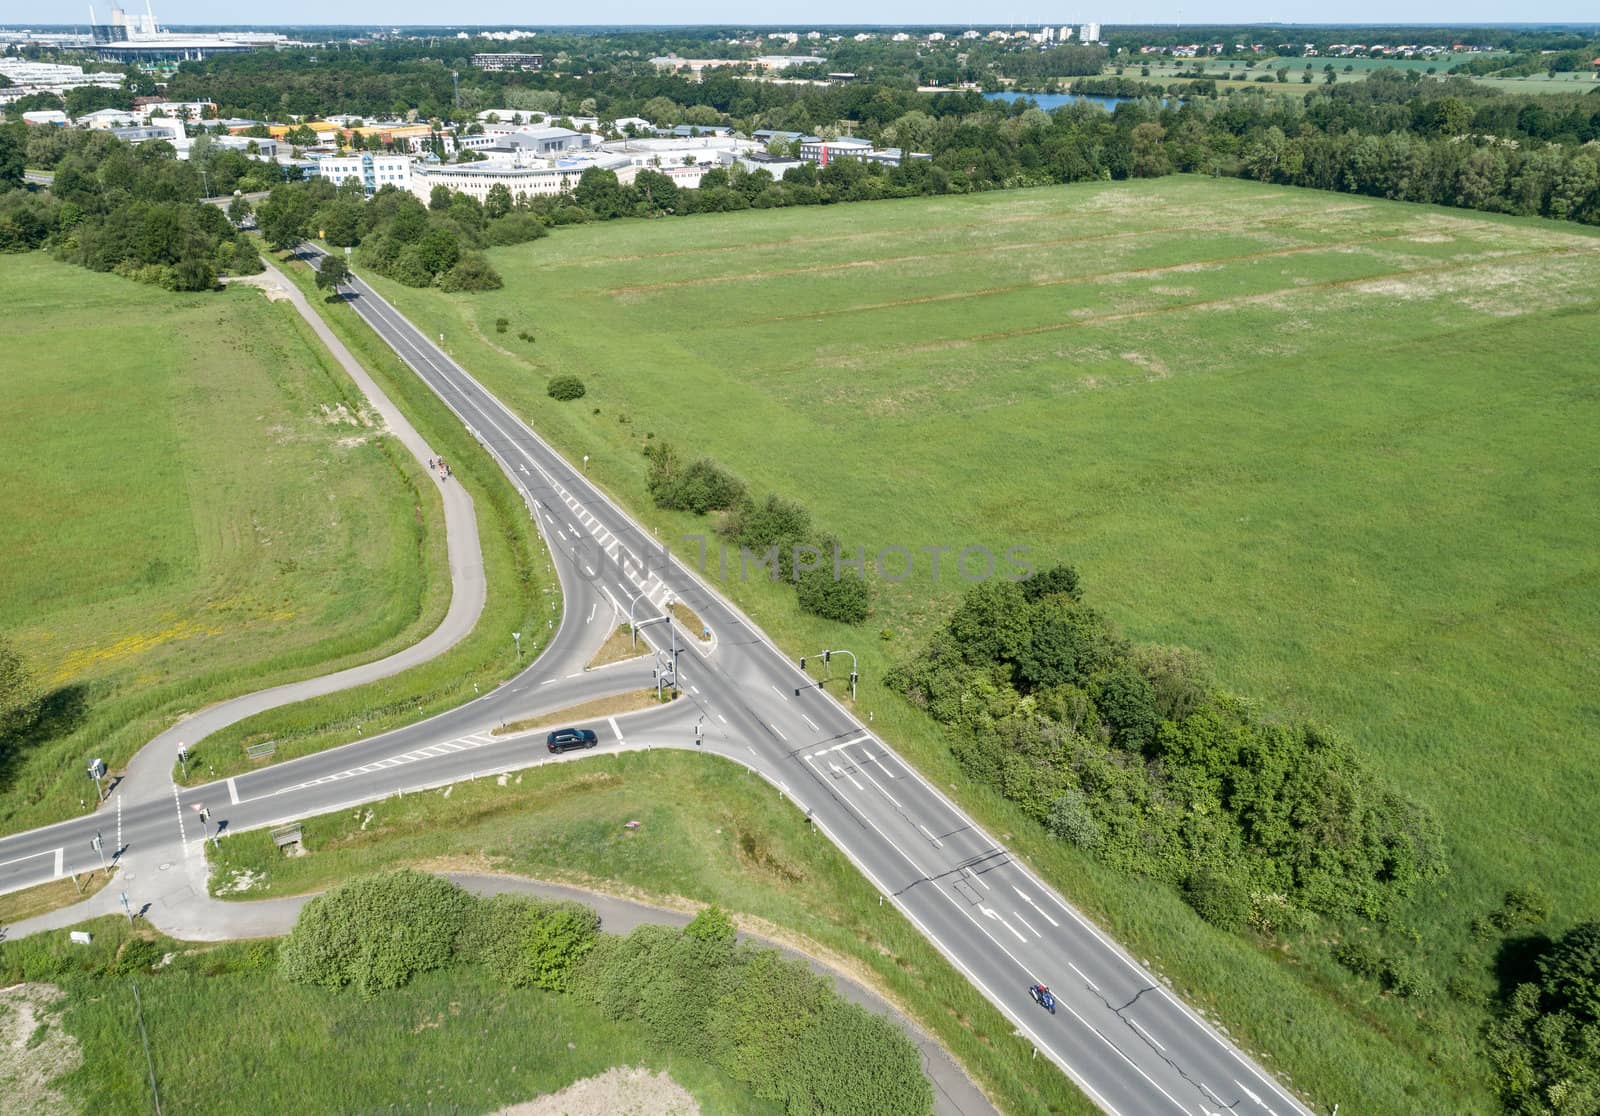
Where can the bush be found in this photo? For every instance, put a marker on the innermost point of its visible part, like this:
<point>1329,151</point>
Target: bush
<point>471,273</point>
<point>502,324</point>
<point>1218,898</point>
<point>376,932</point>
<point>565,388</point>
<point>1403,977</point>
<point>1522,906</point>
<point>1360,957</point>
<point>1072,820</point>
<point>841,598</point>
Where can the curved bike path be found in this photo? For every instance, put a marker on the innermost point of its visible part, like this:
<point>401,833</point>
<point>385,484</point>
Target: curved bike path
<point>148,774</point>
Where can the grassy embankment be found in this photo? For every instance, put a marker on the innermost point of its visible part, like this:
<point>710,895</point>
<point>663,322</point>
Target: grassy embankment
<point>228,1036</point>
<point>522,588</point>
<point>1339,445</point>
<point>196,505</point>
<point>709,832</point>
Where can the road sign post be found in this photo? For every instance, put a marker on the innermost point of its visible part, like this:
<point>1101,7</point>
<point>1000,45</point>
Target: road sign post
<point>99,846</point>
<point>127,907</point>
<point>97,772</point>
<point>183,759</point>
<point>517,638</point>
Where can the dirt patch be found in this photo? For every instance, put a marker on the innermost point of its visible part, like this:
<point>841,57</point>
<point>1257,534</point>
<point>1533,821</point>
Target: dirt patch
<point>629,702</point>
<point>621,1091</point>
<point>34,1050</point>
<point>618,647</point>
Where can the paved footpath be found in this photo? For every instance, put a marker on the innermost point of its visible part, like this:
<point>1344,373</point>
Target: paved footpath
<point>149,773</point>
<point>190,914</point>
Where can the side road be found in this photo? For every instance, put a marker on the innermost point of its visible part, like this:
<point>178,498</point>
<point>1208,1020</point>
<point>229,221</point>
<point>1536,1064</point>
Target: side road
<point>954,1092</point>
<point>149,773</point>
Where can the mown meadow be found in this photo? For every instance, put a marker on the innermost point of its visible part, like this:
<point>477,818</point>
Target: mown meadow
<point>1340,446</point>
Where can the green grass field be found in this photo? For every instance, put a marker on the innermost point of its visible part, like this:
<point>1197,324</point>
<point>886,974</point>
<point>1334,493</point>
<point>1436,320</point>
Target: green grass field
<point>1359,69</point>
<point>521,588</point>
<point>195,504</point>
<point>1340,445</point>
<point>710,832</point>
<point>227,1035</point>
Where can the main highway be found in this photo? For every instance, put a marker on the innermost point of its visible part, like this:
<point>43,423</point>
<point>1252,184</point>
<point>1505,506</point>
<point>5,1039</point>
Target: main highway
<point>1126,1040</point>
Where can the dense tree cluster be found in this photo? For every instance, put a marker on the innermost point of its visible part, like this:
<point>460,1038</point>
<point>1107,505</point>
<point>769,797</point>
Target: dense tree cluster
<point>766,1021</point>
<point>1133,754</point>
<point>1545,1041</point>
<point>114,207</point>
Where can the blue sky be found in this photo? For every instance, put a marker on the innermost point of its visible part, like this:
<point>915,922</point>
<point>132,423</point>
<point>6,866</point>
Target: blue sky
<point>793,12</point>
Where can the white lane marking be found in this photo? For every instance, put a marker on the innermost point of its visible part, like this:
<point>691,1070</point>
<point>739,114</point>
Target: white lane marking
<point>233,791</point>
<point>549,681</point>
<point>183,838</point>
<point>591,612</point>
<point>61,858</point>
<point>977,879</point>
<point>1249,1094</point>
<point>780,693</point>
<point>119,818</point>
<point>1084,976</point>
<point>20,859</point>
<point>928,833</point>
<point>612,721</point>
<point>962,907</point>
<point>810,722</point>
<point>1016,915</point>
<point>589,570</point>
<point>867,775</point>
<point>523,467</point>
<point>874,759</point>
<point>721,718</point>
<point>994,914</point>
<point>847,743</point>
<point>694,689</point>
<point>1151,1039</point>
<point>837,770</point>
<point>779,731</point>
<point>1028,899</point>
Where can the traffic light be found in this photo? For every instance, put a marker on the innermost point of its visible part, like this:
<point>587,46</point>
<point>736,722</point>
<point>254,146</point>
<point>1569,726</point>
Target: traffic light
<point>827,656</point>
<point>802,662</point>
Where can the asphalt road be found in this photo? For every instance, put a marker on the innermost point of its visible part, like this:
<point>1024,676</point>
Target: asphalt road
<point>1130,1044</point>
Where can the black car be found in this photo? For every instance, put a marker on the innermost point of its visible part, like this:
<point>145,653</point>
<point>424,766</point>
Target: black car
<point>563,740</point>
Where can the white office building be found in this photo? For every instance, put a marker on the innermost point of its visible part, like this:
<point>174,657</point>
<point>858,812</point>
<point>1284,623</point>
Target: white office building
<point>477,179</point>
<point>374,171</point>
<point>1089,33</point>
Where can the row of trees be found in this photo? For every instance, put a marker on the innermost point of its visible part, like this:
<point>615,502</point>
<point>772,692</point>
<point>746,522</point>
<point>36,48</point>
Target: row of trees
<point>1133,754</point>
<point>773,537</point>
<point>764,1020</point>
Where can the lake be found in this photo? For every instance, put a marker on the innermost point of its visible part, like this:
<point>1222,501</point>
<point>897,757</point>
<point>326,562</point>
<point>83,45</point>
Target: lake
<point>1048,101</point>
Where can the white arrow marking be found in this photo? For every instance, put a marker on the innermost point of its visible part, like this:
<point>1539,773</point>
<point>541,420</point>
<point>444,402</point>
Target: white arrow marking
<point>990,912</point>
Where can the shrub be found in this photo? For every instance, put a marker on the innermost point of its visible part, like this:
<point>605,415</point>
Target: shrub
<point>471,273</point>
<point>502,324</point>
<point>565,388</point>
<point>1403,977</point>
<point>841,598</point>
<point>376,932</point>
<point>1218,898</point>
<point>556,937</point>
<point>701,487</point>
<point>1073,821</point>
<point>712,924</point>
<point>1522,906</point>
<point>1360,957</point>
<point>526,336</point>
